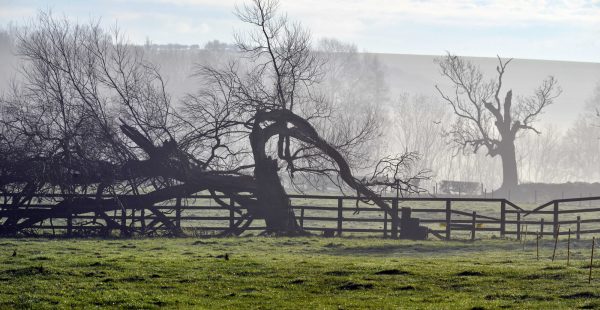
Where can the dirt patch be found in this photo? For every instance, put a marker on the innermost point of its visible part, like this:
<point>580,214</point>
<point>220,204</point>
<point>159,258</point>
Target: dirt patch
<point>470,273</point>
<point>518,297</point>
<point>554,268</point>
<point>27,271</point>
<point>248,290</point>
<point>352,286</point>
<point>392,272</point>
<point>405,288</point>
<point>583,295</point>
<point>133,279</point>
<point>204,242</point>
<point>187,281</point>
<point>587,266</point>
<point>549,276</point>
<point>94,274</point>
<point>289,242</point>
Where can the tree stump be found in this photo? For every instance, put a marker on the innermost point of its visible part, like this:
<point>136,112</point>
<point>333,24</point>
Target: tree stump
<point>410,227</point>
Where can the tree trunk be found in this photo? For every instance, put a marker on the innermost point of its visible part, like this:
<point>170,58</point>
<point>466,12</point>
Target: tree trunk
<point>273,204</point>
<point>304,131</point>
<point>510,178</point>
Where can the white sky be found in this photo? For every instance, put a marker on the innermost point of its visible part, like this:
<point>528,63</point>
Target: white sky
<point>555,30</point>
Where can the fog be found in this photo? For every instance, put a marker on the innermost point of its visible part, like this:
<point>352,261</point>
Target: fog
<point>551,157</point>
<point>566,150</point>
<point>578,80</point>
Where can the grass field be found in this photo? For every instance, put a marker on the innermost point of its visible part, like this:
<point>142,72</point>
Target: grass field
<point>293,273</point>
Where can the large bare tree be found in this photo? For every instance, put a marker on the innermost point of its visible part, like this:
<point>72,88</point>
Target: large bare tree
<point>486,116</point>
<point>93,114</point>
<point>290,124</point>
<point>60,129</point>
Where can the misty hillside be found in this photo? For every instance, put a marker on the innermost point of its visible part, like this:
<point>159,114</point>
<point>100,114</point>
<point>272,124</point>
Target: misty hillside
<point>404,79</point>
<point>413,74</point>
<point>419,74</point>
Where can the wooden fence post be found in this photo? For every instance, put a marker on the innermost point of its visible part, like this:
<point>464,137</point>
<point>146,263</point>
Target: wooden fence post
<point>542,228</point>
<point>123,221</point>
<point>537,246</point>
<point>448,218</point>
<point>302,217</point>
<point>474,223</point>
<point>70,225</point>
<point>592,259</point>
<point>556,233</point>
<point>143,220</point>
<point>231,213</point>
<point>340,217</point>
<point>133,218</point>
<point>385,225</point>
<point>178,214</point>
<point>52,225</point>
<point>555,216</point>
<point>569,248</point>
<point>518,225</point>
<point>502,219</point>
<point>578,233</point>
<point>525,237</point>
<point>395,221</point>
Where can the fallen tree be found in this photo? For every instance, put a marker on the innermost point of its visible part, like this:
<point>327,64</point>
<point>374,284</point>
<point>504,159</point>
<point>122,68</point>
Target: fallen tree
<point>254,117</point>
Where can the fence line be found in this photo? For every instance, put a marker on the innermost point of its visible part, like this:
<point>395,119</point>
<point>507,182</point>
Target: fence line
<point>323,214</point>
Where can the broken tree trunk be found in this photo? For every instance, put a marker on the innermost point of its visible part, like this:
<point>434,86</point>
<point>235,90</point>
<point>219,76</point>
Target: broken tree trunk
<point>273,204</point>
<point>302,130</point>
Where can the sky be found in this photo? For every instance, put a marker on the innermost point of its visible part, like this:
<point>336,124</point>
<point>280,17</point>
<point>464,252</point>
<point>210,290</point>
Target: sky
<point>530,29</point>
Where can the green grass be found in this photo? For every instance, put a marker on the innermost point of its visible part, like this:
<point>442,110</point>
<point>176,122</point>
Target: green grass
<point>293,273</point>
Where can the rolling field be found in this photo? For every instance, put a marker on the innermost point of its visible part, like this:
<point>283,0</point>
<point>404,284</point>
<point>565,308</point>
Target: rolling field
<point>294,273</point>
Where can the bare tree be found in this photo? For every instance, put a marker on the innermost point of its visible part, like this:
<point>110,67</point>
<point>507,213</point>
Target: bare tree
<point>275,81</point>
<point>290,123</point>
<point>98,117</point>
<point>60,126</point>
<point>484,119</point>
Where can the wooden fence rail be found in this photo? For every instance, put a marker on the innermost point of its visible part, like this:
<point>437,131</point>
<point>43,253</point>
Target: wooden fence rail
<point>446,218</point>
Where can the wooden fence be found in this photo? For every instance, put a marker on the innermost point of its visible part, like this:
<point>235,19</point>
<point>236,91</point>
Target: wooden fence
<point>564,217</point>
<point>446,218</point>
